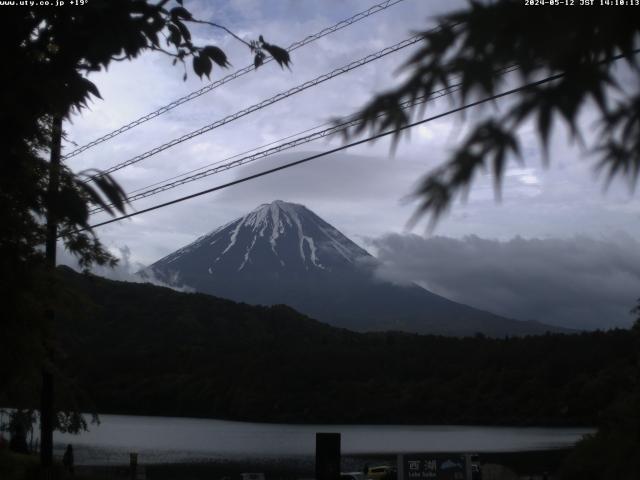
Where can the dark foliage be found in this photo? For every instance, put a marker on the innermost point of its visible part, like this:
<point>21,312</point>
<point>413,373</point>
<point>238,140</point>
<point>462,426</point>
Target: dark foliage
<point>142,349</point>
<point>473,47</point>
<point>612,452</point>
<point>47,55</point>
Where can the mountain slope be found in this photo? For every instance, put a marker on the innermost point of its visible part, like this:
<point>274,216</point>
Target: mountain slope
<point>284,253</point>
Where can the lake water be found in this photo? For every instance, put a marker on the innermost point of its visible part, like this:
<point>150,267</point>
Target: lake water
<point>168,439</point>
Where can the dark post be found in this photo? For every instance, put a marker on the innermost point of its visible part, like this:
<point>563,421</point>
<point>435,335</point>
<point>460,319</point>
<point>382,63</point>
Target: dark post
<point>46,419</point>
<point>133,466</point>
<point>46,401</point>
<point>327,456</point>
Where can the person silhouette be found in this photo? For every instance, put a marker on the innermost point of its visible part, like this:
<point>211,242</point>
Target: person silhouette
<point>67,459</point>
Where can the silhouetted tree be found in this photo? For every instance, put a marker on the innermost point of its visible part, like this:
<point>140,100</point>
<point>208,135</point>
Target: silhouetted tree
<point>472,47</point>
<point>47,53</point>
<point>19,426</point>
<point>636,312</point>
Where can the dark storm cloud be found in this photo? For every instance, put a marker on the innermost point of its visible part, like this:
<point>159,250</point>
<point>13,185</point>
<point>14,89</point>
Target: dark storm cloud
<point>579,282</point>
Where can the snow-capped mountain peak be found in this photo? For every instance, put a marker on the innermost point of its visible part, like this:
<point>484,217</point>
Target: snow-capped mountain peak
<point>277,234</point>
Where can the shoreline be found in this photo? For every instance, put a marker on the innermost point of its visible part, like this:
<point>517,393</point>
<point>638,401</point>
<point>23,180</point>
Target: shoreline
<point>530,462</point>
<point>335,423</point>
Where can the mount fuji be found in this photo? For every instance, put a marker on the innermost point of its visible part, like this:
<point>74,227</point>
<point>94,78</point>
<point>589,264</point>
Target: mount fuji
<point>283,253</point>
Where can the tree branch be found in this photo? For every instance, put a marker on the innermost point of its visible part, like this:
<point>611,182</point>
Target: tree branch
<point>221,27</point>
<point>166,52</point>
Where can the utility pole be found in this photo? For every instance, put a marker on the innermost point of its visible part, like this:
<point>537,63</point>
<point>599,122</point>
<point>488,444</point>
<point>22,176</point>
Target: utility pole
<point>328,456</point>
<point>46,401</point>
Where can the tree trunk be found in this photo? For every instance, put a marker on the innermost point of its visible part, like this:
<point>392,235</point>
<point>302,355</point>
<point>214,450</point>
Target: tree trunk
<point>47,411</point>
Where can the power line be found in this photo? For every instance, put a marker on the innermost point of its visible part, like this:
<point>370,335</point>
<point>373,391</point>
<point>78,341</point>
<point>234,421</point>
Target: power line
<point>238,73</point>
<point>218,162</point>
<point>329,152</point>
<point>185,178</point>
<point>269,101</point>
<point>213,168</point>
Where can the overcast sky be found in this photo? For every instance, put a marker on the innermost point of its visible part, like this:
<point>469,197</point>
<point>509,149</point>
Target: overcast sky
<point>554,213</point>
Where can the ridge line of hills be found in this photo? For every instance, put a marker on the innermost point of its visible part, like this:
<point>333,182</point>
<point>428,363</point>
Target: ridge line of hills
<point>141,349</point>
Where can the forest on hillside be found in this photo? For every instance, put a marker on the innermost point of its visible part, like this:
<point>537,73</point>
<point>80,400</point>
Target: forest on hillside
<point>141,349</point>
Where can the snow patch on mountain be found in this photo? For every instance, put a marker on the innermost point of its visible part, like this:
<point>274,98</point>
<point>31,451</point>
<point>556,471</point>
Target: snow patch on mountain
<point>246,255</point>
<point>234,235</point>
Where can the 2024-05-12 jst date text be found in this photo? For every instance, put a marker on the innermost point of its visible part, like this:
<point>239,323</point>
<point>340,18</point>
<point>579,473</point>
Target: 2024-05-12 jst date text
<point>583,3</point>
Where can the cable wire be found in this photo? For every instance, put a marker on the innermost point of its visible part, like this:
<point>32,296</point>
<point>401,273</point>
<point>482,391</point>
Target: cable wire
<point>269,101</point>
<point>167,184</point>
<point>207,170</point>
<point>218,162</point>
<point>238,73</point>
<point>328,152</point>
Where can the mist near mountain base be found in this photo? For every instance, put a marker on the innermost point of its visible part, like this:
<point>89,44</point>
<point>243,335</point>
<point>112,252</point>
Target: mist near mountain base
<point>126,270</point>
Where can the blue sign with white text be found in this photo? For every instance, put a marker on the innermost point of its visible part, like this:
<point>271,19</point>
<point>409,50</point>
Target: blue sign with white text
<point>434,467</point>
